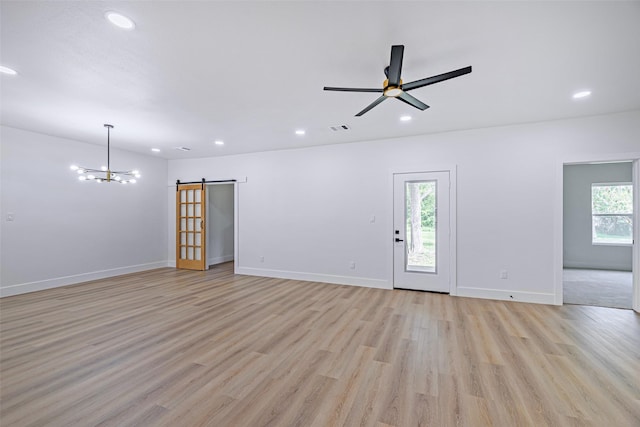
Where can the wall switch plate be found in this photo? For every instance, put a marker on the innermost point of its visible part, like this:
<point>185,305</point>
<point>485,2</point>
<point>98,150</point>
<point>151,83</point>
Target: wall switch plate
<point>504,274</point>
<point>352,265</point>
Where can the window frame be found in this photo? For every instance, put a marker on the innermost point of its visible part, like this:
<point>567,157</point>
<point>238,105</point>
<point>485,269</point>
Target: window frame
<point>629,215</point>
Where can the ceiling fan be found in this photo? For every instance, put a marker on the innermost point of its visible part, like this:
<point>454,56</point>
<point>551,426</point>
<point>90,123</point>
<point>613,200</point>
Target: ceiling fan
<point>393,87</point>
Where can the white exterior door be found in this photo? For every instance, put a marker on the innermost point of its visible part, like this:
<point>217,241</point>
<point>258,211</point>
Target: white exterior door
<point>421,234</point>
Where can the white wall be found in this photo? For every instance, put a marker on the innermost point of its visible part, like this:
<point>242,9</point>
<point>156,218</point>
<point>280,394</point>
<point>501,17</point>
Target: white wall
<point>66,231</point>
<point>219,223</point>
<point>579,252</point>
<point>308,211</point>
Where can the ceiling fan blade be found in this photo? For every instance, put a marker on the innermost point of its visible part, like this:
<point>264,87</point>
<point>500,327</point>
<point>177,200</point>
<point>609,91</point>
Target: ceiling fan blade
<point>352,89</point>
<point>370,106</point>
<point>436,79</point>
<point>395,66</point>
<point>414,102</point>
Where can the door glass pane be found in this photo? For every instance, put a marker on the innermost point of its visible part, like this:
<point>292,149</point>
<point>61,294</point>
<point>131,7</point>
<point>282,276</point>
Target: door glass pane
<point>198,225</point>
<point>198,241</point>
<point>183,238</point>
<point>190,225</point>
<point>183,224</point>
<point>183,196</point>
<point>198,210</point>
<point>190,253</point>
<point>420,220</point>
<point>183,210</point>
<point>183,252</point>
<point>190,196</point>
<point>198,258</point>
<point>190,210</point>
<point>190,239</point>
<point>198,196</point>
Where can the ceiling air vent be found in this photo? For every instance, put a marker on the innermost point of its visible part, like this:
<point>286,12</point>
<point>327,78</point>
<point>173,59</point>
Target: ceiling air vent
<point>338,128</point>
<point>183,148</point>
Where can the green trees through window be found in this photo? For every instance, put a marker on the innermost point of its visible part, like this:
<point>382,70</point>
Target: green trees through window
<point>612,213</point>
<point>421,225</point>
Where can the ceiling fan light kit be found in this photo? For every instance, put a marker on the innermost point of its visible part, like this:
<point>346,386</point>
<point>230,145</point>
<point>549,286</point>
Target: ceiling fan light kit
<point>105,174</point>
<point>393,87</point>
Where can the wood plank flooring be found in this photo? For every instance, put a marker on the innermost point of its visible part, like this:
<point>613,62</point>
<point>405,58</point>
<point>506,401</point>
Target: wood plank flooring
<point>185,348</point>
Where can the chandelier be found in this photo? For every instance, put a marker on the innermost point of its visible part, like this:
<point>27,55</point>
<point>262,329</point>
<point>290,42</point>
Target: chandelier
<point>105,174</point>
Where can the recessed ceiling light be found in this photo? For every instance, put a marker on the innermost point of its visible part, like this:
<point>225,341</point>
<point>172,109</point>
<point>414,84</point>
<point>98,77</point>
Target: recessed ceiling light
<point>218,142</point>
<point>581,94</point>
<point>300,132</point>
<point>405,118</point>
<point>120,20</point>
<point>7,70</point>
<point>155,150</point>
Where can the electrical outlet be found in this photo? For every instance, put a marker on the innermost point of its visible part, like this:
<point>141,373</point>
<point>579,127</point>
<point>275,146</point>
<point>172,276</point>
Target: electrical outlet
<point>504,274</point>
<point>352,265</point>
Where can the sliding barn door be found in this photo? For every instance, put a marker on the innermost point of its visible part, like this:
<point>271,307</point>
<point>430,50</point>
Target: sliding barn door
<point>190,227</point>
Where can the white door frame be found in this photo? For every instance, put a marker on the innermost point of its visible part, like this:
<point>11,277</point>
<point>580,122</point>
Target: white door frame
<point>236,220</point>
<point>453,219</point>
<point>559,219</point>
<point>235,216</point>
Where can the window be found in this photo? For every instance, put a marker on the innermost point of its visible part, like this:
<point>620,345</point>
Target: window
<point>612,214</point>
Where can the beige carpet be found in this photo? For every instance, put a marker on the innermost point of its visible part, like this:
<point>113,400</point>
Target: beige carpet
<point>604,288</point>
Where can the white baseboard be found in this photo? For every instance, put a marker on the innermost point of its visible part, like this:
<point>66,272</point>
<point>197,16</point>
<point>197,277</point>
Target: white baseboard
<point>220,259</point>
<point>77,278</point>
<point>500,294</point>
<point>314,277</point>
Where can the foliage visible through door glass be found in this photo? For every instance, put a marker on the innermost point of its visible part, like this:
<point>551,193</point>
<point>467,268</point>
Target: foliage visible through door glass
<point>421,225</point>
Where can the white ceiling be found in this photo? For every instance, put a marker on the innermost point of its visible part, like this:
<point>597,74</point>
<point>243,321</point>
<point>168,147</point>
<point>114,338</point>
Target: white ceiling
<point>251,73</point>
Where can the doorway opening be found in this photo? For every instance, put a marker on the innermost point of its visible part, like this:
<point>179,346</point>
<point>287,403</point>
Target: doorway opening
<point>221,223</point>
<point>599,225</point>
<point>206,225</point>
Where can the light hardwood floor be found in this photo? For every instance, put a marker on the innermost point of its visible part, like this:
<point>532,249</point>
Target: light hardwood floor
<point>182,348</point>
